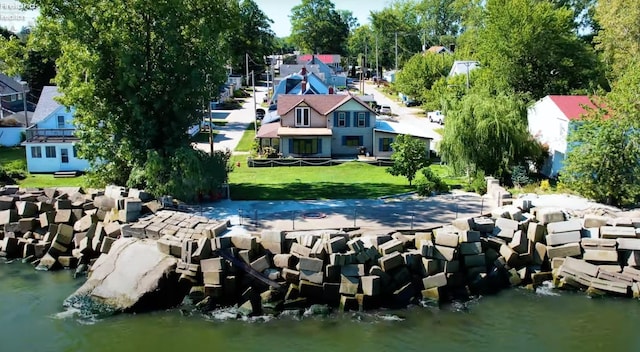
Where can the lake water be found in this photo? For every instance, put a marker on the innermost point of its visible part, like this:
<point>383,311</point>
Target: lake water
<point>32,318</point>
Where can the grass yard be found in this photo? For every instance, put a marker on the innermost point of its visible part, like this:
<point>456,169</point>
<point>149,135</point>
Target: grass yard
<point>246,142</point>
<point>350,180</point>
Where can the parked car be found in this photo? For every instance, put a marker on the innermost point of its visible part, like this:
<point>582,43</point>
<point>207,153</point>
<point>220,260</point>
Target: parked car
<point>260,114</point>
<point>436,117</point>
<point>385,109</point>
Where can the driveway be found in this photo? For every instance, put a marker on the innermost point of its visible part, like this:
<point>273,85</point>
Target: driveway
<point>412,116</point>
<point>237,121</point>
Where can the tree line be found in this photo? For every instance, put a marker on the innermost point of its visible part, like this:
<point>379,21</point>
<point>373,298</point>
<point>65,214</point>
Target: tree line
<point>137,72</point>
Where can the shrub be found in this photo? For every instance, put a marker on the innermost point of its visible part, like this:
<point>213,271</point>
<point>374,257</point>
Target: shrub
<point>430,183</point>
<point>544,185</point>
<point>239,93</point>
<point>478,184</point>
<point>519,176</point>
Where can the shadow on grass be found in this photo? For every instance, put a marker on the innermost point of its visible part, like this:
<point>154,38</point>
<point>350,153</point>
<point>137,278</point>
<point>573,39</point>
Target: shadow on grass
<point>308,191</point>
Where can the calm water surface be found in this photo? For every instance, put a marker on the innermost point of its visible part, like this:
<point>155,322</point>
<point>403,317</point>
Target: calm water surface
<point>32,319</point>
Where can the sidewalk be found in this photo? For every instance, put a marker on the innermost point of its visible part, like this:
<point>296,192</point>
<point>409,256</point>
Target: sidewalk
<point>230,134</point>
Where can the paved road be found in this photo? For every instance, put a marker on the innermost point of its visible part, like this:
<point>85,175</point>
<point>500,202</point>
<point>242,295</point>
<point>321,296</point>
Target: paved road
<point>374,214</point>
<point>413,116</point>
<point>237,122</point>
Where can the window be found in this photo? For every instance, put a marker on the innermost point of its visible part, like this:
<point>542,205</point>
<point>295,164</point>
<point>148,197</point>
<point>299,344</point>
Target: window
<point>75,151</point>
<point>362,119</point>
<point>60,121</point>
<point>64,155</point>
<point>302,117</point>
<point>305,146</point>
<point>342,119</point>
<point>50,152</point>
<point>36,152</point>
<point>14,97</point>
<point>352,141</point>
<point>385,144</point>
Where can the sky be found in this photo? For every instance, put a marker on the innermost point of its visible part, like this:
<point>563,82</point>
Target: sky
<point>279,11</point>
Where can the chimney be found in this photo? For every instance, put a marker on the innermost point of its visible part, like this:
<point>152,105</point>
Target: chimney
<point>303,72</point>
<point>304,86</point>
<point>331,90</point>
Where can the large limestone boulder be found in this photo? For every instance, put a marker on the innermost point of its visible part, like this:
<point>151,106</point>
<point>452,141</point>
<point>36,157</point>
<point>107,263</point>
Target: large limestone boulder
<point>134,276</point>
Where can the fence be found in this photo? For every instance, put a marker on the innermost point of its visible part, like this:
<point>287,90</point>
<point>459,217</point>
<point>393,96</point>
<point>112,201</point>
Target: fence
<point>251,162</point>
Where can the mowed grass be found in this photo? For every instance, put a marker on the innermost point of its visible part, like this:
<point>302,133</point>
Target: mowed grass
<point>349,180</point>
<point>246,142</point>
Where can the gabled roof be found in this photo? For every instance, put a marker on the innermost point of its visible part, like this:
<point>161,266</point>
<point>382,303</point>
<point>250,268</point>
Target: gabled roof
<point>324,104</point>
<point>9,85</point>
<point>572,106</point>
<point>437,49</point>
<point>460,67</point>
<point>326,58</point>
<point>46,104</point>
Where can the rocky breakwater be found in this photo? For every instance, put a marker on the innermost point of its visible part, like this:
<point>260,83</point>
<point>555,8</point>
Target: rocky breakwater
<point>56,228</point>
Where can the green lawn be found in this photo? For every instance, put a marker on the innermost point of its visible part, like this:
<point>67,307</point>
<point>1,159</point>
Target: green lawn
<point>246,142</point>
<point>349,180</point>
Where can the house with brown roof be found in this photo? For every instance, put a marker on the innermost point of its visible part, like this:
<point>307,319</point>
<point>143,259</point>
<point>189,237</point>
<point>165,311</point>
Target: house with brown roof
<point>320,126</point>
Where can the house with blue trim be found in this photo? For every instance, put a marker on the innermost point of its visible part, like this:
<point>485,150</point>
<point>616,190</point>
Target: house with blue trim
<point>50,140</point>
<point>301,83</point>
<point>326,126</point>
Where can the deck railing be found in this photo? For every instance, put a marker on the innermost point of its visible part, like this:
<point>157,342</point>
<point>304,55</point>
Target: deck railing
<point>50,133</point>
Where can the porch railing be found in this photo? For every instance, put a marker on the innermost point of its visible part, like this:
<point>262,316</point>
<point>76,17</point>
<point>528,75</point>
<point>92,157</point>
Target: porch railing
<point>50,133</point>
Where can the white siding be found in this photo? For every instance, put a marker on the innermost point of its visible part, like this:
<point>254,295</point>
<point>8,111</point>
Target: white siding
<point>549,125</point>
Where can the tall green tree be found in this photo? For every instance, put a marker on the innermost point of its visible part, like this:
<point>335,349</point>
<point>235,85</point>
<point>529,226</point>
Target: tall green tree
<point>136,73</point>
<point>252,36</point>
<point>534,48</point>
<point>317,27</point>
<point>421,72</point>
<point>619,35</point>
<point>440,21</point>
<point>398,21</point>
<point>487,133</point>
<point>603,149</point>
<point>409,156</point>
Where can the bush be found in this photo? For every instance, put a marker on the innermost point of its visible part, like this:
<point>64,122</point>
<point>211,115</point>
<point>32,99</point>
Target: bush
<point>239,93</point>
<point>478,184</point>
<point>519,176</point>
<point>545,186</point>
<point>430,183</point>
<point>231,104</point>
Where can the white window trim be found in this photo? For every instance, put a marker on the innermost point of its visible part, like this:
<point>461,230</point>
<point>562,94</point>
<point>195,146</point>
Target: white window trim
<point>300,117</point>
<point>362,117</point>
<point>342,117</point>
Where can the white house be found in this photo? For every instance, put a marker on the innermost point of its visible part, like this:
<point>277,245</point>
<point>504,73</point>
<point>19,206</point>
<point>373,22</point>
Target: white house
<point>463,67</point>
<point>50,140</point>
<point>550,120</point>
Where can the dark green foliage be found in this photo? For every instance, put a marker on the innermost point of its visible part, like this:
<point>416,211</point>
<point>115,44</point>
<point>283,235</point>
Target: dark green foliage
<point>409,155</point>
<point>137,74</point>
<point>519,176</point>
<point>187,174</point>
<point>430,183</point>
<point>317,27</point>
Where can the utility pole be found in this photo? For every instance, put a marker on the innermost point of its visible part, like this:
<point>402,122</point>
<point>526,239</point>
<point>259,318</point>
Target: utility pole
<point>247,66</point>
<point>209,115</point>
<point>396,51</point>
<point>377,72</point>
<point>255,113</point>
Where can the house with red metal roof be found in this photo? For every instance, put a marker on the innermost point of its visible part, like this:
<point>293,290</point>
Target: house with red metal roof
<point>550,120</point>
